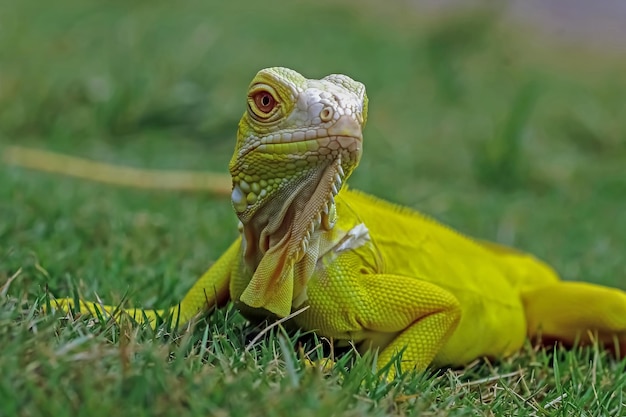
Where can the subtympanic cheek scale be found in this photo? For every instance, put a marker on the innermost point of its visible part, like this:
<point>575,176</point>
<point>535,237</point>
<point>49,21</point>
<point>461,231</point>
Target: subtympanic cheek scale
<point>245,194</point>
<point>239,199</point>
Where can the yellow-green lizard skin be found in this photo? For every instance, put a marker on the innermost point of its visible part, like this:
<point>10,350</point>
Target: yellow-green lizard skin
<point>369,271</point>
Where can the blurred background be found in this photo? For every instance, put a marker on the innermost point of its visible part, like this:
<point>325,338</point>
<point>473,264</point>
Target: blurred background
<point>505,119</point>
<point>440,75</point>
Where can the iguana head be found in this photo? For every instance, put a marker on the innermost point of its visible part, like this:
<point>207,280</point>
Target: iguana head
<point>297,143</point>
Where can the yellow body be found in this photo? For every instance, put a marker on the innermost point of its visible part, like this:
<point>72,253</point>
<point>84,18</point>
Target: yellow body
<point>368,271</point>
<point>409,259</point>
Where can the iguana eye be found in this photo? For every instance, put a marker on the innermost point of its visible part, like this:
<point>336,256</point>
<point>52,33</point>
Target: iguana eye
<point>262,104</point>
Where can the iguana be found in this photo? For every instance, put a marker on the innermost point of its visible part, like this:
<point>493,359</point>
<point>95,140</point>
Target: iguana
<point>364,270</point>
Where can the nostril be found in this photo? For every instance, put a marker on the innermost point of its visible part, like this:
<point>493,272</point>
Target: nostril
<point>326,115</point>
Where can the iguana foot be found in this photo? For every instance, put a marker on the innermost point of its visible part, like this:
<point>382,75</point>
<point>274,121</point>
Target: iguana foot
<point>324,365</point>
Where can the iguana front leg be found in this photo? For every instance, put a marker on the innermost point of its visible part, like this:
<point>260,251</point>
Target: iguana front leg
<point>423,315</point>
<point>212,289</point>
<point>392,313</point>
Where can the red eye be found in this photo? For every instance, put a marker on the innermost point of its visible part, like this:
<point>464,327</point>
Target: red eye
<point>264,101</point>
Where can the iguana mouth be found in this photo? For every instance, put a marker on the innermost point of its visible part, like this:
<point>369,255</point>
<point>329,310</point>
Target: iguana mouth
<point>274,146</point>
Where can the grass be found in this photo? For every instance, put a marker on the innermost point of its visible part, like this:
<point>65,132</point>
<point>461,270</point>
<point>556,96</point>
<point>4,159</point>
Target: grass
<point>470,121</point>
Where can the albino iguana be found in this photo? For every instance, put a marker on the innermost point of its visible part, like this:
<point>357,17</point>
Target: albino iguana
<point>368,271</point>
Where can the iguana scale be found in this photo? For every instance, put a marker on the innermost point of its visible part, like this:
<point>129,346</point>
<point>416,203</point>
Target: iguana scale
<point>368,271</point>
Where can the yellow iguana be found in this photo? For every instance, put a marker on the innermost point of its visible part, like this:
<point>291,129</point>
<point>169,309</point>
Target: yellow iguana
<point>383,276</point>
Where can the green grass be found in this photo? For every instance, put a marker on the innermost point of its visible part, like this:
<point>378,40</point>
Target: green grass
<point>470,121</point>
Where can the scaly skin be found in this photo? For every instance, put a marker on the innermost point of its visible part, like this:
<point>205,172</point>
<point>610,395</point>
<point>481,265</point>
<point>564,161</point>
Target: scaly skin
<point>380,275</point>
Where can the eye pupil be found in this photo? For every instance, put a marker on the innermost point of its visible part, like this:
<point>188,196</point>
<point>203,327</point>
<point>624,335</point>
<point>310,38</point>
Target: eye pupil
<point>265,100</point>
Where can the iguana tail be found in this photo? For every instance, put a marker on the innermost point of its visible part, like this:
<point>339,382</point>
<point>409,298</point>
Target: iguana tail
<point>577,312</point>
<point>57,163</point>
